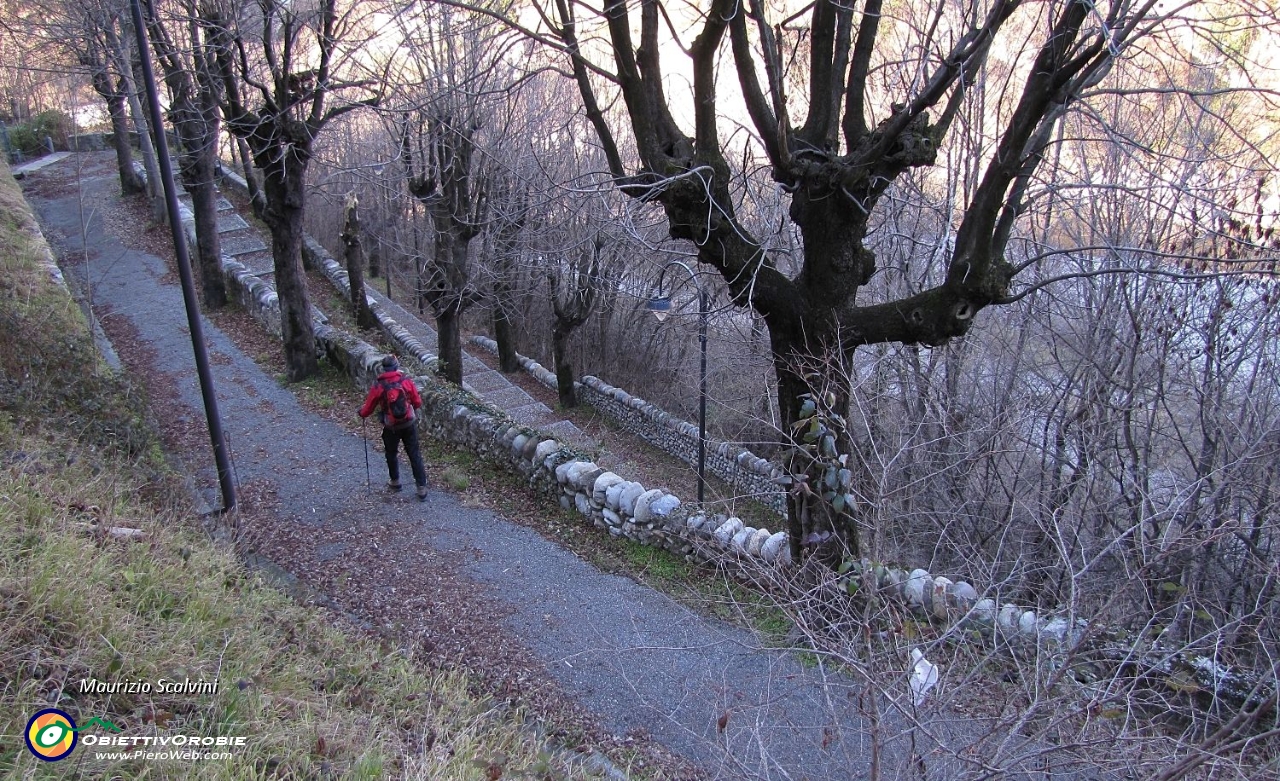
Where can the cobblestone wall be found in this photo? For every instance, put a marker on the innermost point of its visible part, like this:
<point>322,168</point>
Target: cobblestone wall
<point>752,476</point>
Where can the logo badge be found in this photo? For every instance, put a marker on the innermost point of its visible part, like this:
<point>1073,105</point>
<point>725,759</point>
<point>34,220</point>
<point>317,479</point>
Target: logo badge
<point>51,734</point>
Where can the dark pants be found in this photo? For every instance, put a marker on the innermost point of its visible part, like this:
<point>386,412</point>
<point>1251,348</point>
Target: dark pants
<point>391,439</point>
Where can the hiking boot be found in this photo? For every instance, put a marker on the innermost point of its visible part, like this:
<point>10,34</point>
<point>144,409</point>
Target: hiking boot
<point>422,492</point>
<point>393,485</point>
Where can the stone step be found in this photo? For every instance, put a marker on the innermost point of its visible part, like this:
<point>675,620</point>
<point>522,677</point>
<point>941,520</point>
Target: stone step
<point>565,431</point>
<point>231,221</point>
<point>507,397</point>
<point>259,264</point>
<point>235,246</point>
<point>485,381</point>
<point>534,414</point>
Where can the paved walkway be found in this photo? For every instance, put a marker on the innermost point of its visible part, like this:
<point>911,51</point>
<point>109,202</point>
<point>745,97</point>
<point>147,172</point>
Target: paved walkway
<point>623,650</point>
<point>21,170</point>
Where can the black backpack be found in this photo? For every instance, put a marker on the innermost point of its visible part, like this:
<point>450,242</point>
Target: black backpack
<point>395,403</point>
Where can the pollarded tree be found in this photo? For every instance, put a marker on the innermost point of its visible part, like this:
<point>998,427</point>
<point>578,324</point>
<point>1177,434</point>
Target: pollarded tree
<point>113,89</point>
<point>574,284</point>
<point>457,117</point>
<point>438,154</point>
<point>301,75</point>
<point>190,73</point>
<point>883,86</point>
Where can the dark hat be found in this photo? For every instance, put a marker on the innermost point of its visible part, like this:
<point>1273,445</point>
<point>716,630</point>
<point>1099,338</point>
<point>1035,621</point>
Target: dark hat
<point>390,364</point>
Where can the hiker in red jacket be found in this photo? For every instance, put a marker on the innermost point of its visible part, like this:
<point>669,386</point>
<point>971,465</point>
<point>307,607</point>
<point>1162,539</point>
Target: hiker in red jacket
<point>396,397</point>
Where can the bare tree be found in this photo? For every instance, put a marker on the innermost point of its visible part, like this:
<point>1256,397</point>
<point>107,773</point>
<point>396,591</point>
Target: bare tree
<point>450,135</point>
<point>354,257</point>
<point>438,157</point>
<point>191,75</point>
<point>573,296</point>
<point>874,107</point>
<point>512,197</point>
<point>278,102</point>
<point>113,89</point>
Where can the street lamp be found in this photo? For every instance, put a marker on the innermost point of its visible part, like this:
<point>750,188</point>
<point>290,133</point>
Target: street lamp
<point>660,305</point>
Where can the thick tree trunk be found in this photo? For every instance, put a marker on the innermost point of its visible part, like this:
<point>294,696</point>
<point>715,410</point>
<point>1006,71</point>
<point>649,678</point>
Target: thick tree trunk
<point>199,181</point>
<point>130,182</point>
<point>503,331</point>
<point>284,187</point>
<point>155,190</point>
<point>505,251</point>
<point>120,54</point>
<point>816,521</point>
<point>449,345</point>
<point>355,266</point>
<point>444,286</point>
<point>257,199</point>
<point>193,112</point>
<point>564,368</point>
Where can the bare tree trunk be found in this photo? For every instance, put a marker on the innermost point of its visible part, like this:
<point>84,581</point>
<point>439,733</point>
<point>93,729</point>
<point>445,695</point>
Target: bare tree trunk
<point>199,180</point>
<point>571,312</point>
<point>503,330</point>
<point>130,183</point>
<point>193,111</point>
<point>284,186</point>
<point>816,390</point>
<point>355,265</point>
<point>564,367</point>
<point>257,200</point>
<point>449,344</point>
<point>124,62</point>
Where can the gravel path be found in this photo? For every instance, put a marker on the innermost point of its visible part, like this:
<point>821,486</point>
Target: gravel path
<point>644,663</point>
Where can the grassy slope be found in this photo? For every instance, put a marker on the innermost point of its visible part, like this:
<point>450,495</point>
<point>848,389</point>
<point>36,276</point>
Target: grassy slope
<point>76,458</point>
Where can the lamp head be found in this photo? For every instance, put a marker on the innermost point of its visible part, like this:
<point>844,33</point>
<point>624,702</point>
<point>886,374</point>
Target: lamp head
<point>660,306</point>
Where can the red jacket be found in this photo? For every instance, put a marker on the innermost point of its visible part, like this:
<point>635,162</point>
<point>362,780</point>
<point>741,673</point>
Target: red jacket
<point>375,401</point>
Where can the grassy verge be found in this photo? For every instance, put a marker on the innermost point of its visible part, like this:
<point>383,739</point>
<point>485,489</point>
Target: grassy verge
<point>699,587</point>
<point>105,578</point>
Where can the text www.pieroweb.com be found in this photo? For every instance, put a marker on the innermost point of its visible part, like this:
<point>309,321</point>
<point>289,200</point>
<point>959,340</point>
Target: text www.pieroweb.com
<point>189,755</point>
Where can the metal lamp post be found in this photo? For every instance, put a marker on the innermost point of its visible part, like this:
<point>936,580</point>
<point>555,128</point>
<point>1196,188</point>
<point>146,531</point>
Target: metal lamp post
<point>660,305</point>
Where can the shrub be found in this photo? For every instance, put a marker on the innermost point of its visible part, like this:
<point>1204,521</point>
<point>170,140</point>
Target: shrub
<point>29,137</point>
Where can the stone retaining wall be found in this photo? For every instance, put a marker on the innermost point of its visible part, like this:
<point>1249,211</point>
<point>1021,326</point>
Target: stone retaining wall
<point>756,478</point>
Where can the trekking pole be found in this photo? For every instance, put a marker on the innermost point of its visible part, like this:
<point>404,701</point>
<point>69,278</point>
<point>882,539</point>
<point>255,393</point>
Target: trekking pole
<point>364,437</point>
